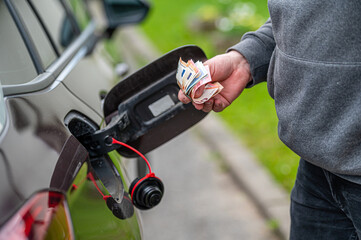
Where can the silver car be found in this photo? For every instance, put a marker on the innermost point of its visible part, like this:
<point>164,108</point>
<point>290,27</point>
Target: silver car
<point>64,125</point>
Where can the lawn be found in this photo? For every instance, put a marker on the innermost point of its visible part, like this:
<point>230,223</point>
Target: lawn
<point>214,25</point>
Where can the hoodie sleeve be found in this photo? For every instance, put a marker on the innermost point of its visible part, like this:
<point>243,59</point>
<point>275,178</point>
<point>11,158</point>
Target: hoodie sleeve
<point>257,47</point>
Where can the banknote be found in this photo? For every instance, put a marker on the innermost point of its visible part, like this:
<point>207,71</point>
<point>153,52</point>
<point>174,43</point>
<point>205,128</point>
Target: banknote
<point>193,75</point>
<point>210,90</point>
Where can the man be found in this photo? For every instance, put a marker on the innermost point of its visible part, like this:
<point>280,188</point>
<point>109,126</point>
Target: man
<point>309,52</point>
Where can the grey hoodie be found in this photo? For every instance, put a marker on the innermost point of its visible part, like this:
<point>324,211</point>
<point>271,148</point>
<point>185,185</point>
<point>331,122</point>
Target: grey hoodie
<point>309,52</point>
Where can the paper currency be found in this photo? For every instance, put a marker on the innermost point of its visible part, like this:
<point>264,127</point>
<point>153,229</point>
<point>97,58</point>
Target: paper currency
<point>191,76</point>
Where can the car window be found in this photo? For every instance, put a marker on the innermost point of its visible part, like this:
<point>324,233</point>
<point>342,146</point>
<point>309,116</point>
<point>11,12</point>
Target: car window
<point>16,66</point>
<point>57,22</point>
<point>36,32</point>
<point>80,11</point>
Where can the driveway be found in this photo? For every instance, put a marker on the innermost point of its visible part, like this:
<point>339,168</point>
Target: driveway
<point>201,199</point>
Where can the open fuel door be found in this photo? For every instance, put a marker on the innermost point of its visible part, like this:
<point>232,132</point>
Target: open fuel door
<point>143,110</point>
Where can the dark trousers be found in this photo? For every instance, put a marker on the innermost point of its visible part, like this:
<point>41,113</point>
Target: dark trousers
<point>324,206</point>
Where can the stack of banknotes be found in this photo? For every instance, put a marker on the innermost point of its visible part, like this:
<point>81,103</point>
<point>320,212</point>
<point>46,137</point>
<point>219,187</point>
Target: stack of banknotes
<point>191,76</point>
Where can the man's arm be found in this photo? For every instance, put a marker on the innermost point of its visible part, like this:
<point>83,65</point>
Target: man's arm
<point>257,47</point>
<point>232,71</point>
<point>244,65</point>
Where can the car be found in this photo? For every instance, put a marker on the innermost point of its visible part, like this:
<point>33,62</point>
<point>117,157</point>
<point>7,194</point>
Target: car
<point>65,125</point>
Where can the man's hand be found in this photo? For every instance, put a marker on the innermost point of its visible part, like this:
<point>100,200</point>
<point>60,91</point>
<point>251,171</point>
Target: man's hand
<point>232,71</point>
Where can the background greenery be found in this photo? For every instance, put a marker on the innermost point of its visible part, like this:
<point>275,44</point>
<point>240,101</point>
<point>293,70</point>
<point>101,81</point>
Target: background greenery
<point>215,25</point>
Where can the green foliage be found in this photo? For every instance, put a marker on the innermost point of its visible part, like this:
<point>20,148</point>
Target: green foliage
<point>232,17</point>
<point>252,116</point>
<point>172,24</point>
<point>79,10</point>
<point>167,25</point>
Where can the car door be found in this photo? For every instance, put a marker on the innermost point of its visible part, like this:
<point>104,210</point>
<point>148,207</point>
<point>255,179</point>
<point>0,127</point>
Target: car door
<point>40,156</point>
<point>54,148</point>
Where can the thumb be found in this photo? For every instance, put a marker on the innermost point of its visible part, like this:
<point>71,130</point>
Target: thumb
<point>199,91</point>
<point>210,63</point>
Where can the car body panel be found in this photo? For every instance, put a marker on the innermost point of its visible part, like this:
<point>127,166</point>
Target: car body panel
<point>43,154</point>
<point>50,158</point>
<point>38,150</point>
<point>97,80</point>
<point>10,199</point>
<point>91,217</point>
<point>35,137</point>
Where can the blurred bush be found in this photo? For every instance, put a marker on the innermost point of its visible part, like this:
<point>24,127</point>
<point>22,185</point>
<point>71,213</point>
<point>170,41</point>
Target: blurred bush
<point>235,18</point>
<point>225,21</point>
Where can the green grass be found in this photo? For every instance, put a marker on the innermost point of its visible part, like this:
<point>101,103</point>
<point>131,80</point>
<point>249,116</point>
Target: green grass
<point>165,25</point>
<point>170,23</point>
<point>252,116</point>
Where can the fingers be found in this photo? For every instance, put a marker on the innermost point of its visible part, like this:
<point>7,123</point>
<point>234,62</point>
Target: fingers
<point>198,106</point>
<point>214,104</point>
<point>208,106</point>
<point>183,98</point>
<point>218,105</point>
<point>199,91</point>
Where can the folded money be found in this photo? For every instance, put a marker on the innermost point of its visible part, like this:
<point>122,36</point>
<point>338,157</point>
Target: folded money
<point>191,76</point>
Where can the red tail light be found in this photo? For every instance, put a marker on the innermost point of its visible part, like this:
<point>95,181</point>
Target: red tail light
<point>44,216</point>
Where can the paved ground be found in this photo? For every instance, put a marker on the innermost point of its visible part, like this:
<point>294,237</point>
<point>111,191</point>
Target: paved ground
<point>201,200</point>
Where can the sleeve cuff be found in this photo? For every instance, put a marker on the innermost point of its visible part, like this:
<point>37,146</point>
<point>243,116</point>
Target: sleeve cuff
<point>257,47</point>
<point>256,57</point>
